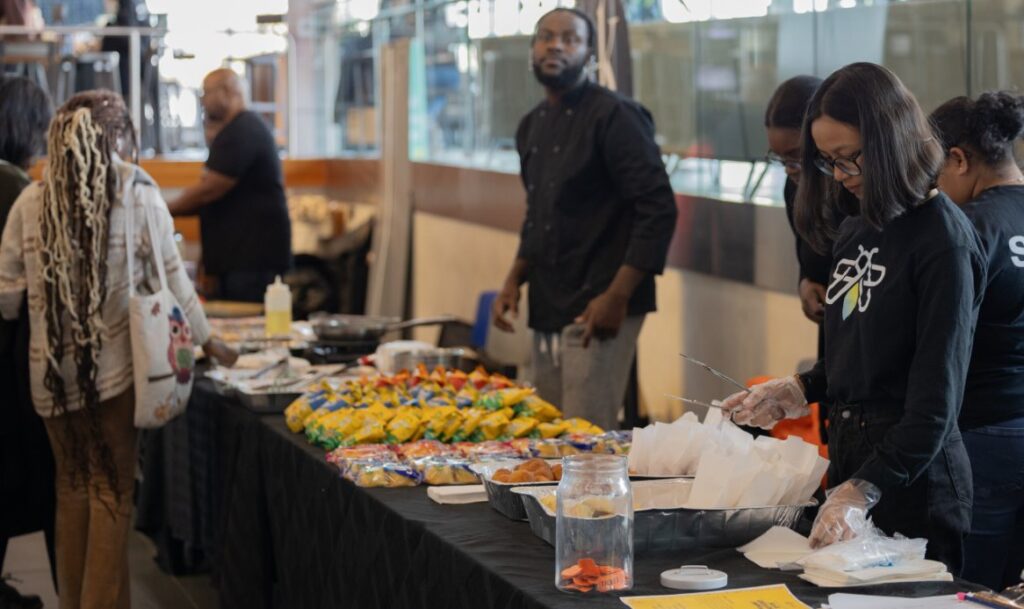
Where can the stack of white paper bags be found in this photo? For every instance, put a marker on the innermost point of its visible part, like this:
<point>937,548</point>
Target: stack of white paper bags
<point>730,468</point>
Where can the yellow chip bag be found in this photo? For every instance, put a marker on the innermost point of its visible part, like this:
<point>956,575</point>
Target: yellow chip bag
<point>380,412</point>
<point>344,425</point>
<point>552,429</point>
<point>511,397</point>
<point>580,425</point>
<point>440,417</point>
<point>421,431</point>
<point>454,422</point>
<point>543,411</point>
<point>296,413</point>
<point>493,425</point>
<point>371,432</point>
<point>520,426</point>
<point>402,427</point>
<point>471,421</point>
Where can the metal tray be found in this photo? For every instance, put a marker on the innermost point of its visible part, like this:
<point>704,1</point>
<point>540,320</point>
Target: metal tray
<point>451,358</point>
<point>679,529</point>
<point>499,494</point>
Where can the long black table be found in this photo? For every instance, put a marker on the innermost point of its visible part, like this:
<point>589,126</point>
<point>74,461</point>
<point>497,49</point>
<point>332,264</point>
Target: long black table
<point>289,532</point>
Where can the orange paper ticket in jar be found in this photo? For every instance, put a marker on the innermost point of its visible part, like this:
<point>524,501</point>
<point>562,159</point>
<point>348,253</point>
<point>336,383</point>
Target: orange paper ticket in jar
<point>586,575</point>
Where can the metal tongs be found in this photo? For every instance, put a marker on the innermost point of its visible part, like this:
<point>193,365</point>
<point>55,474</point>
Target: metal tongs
<point>693,402</point>
<point>714,371</point>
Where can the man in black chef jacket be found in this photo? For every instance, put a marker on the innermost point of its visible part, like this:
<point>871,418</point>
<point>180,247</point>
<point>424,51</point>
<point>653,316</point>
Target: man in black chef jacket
<point>600,216</point>
<point>244,225</point>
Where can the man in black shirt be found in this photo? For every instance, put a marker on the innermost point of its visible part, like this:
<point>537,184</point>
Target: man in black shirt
<point>600,216</point>
<point>245,230</point>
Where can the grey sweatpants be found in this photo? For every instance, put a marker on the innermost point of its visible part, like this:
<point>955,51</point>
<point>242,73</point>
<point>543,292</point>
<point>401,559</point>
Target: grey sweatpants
<point>588,383</point>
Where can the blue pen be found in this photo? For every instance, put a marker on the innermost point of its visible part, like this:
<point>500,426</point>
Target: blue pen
<point>987,600</point>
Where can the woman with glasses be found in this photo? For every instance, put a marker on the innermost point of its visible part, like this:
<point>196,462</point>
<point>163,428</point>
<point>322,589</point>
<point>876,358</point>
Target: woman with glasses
<point>900,309</point>
<point>982,176</point>
<point>782,121</point>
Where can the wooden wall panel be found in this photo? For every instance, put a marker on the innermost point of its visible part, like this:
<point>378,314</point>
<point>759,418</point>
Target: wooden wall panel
<point>354,180</point>
<point>298,173</point>
<point>493,199</point>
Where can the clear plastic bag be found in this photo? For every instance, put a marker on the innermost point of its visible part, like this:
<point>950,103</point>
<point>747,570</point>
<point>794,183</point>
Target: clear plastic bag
<point>869,549</point>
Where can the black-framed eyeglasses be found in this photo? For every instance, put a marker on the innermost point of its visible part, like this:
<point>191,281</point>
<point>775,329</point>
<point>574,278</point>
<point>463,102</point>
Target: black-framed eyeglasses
<point>788,162</point>
<point>847,165</point>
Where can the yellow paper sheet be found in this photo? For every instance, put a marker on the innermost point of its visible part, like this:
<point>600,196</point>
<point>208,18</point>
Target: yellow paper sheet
<point>765,597</point>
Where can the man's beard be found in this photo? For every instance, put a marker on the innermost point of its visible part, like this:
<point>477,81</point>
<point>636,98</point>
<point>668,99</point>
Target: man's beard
<point>561,81</point>
<point>216,115</point>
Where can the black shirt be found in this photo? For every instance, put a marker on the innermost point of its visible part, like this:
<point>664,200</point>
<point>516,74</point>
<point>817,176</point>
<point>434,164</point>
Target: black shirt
<point>597,197</point>
<point>13,180</point>
<point>995,381</point>
<point>248,228</point>
<point>813,266</point>
<point>899,318</point>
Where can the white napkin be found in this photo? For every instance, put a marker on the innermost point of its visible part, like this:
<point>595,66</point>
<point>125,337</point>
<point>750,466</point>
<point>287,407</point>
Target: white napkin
<point>469,493</point>
<point>919,570</point>
<point>777,547</point>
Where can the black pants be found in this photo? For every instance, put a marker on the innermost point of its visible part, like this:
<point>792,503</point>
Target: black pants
<point>27,487</point>
<point>936,506</point>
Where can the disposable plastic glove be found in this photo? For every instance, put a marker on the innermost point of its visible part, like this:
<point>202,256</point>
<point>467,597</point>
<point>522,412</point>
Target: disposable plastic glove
<point>845,513</point>
<point>768,403</point>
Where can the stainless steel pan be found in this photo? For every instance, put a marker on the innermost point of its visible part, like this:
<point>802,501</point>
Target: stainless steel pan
<point>365,328</point>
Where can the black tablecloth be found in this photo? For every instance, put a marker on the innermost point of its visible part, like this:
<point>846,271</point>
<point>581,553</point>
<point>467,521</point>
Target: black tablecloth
<point>291,533</point>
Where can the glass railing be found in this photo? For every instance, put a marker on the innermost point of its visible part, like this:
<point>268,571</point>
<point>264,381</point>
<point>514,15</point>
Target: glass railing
<point>705,69</point>
<point>166,68</point>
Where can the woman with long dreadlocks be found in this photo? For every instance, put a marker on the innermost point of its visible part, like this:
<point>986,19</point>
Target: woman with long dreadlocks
<point>64,245</point>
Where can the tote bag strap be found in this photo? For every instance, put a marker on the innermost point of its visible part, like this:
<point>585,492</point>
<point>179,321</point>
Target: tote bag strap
<point>129,235</point>
<point>129,231</point>
<point>154,246</point>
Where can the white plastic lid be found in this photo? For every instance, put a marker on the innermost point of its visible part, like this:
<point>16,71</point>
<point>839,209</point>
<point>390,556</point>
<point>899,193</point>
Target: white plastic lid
<point>694,577</point>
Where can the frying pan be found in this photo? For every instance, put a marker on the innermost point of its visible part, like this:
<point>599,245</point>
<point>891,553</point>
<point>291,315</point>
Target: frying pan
<point>365,327</point>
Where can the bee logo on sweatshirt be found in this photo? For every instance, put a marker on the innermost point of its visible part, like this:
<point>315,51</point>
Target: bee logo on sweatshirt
<point>1017,248</point>
<point>852,280</point>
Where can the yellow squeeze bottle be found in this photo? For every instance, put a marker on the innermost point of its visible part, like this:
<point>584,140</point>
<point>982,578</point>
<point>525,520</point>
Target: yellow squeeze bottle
<point>277,306</point>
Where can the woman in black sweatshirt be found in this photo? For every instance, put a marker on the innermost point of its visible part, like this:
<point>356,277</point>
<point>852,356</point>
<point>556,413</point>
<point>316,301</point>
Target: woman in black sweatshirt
<point>982,177</point>
<point>782,122</point>
<point>900,309</point>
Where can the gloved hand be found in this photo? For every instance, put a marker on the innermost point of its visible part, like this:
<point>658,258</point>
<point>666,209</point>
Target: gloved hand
<point>845,513</point>
<point>768,403</point>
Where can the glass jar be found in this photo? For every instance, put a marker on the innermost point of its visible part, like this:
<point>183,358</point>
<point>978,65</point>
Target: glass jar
<point>594,526</point>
